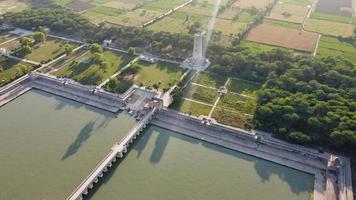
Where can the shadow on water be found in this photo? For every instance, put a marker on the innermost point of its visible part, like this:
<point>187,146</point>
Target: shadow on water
<point>265,169</point>
<point>83,136</point>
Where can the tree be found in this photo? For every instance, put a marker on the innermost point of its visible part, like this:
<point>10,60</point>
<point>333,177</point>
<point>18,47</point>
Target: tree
<point>131,51</point>
<point>40,37</point>
<point>97,58</point>
<point>68,48</point>
<point>25,41</point>
<point>96,48</point>
<point>26,49</point>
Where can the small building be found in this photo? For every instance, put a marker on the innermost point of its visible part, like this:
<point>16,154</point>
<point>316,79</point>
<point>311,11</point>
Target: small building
<point>107,43</point>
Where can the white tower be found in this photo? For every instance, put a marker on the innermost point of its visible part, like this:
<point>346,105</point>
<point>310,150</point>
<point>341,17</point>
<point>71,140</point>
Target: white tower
<point>197,61</point>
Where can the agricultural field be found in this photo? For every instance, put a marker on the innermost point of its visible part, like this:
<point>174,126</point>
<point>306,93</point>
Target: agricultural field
<point>289,12</point>
<point>12,69</point>
<point>10,45</point>
<point>159,75</point>
<point>85,71</point>
<point>12,6</point>
<point>201,94</point>
<point>329,28</point>
<point>257,47</point>
<point>339,7</point>
<point>281,24</point>
<point>331,46</point>
<point>243,87</point>
<point>125,13</point>
<point>78,6</point>
<point>334,18</point>
<point>284,37</point>
<point>259,4</point>
<point>178,22</point>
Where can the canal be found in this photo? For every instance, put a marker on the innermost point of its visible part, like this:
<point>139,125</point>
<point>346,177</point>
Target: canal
<point>164,165</point>
<point>49,144</point>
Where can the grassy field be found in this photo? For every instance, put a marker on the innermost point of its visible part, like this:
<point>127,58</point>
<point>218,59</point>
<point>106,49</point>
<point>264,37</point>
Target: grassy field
<point>229,27</point>
<point>51,49</point>
<point>201,94</point>
<point>163,5</point>
<point>161,74</point>
<point>6,36</point>
<point>296,12</point>
<point>231,118</point>
<point>89,73</point>
<point>297,2</point>
<point>329,28</point>
<point>210,80</point>
<point>234,110</point>
<point>12,6</point>
<point>192,108</point>
<point>178,22</point>
<point>331,46</point>
<point>12,69</point>
<point>243,87</point>
<point>334,18</point>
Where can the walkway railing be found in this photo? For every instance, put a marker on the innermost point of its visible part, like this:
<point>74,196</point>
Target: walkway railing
<point>116,151</point>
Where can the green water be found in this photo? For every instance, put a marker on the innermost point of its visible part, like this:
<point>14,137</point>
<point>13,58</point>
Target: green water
<point>164,165</point>
<point>48,145</point>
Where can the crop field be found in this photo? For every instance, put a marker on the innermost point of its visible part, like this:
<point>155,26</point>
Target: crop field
<point>11,69</point>
<point>86,72</point>
<point>162,75</point>
<point>199,9</point>
<point>178,22</point>
<point>229,27</point>
<point>289,13</point>
<point>79,6</point>
<point>329,28</point>
<point>331,46</point>
<point>259,4</point>
<point>12,6</point>
<point>339,7</point>
<point>281,23</point>
<point>284,37</point>
<point>127,13</point>
<point>297,2</point>
<point>334,18</point>
<point>257,47</point>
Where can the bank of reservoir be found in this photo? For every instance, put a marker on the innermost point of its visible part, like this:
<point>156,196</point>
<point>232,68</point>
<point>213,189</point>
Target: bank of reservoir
<point>163,164</point>
<point>50,144</point>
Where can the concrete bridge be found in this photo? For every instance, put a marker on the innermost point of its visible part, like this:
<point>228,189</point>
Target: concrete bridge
<point>117,152</point>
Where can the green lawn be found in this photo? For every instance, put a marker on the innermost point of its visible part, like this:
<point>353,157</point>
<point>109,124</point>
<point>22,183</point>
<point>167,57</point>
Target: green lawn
<point>11,69</point>
<point>244,87</point>
<point>331,46</point>
<point>51,49</point>
<point>192,108</point>
<point>335,18</point>
<point>202,94</point>
<point>246,17</point>
<point>161,74</point>
<point>89,73</point>
<point>210,80</point>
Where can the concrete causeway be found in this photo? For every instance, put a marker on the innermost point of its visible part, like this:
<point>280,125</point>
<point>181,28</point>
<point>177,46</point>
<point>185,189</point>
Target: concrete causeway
<point>117,151</point>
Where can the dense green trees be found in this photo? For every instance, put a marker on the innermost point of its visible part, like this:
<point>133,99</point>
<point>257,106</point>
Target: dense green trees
<point>314,101</point>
